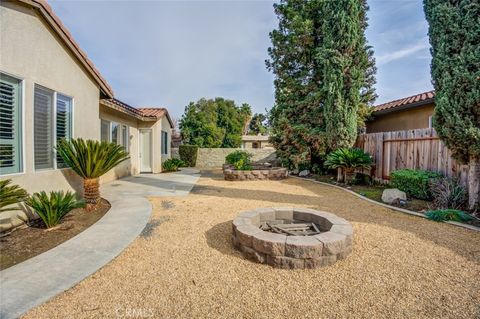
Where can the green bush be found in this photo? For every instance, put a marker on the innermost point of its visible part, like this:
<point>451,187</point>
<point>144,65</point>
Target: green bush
<point>188,154</point>
<point>52,208</point>
<point>10,194</point>
<point>240,159</point>
<point>172,164</point>
<point>415,183</point>
<point>348,159</point>
<point>448,214</point>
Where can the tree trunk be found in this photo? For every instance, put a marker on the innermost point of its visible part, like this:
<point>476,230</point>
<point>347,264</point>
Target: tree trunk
<point>473,182</point>
<point>91,192</point>
<point>339,175</point>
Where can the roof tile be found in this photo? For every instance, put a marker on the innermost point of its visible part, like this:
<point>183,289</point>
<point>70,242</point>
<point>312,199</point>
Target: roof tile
<point>405,101</point>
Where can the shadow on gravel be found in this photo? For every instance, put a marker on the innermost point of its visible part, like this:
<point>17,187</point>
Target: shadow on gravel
<point>219,237</point>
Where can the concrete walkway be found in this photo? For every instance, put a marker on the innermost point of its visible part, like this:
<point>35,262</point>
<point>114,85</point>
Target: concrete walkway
<point>38,279</point>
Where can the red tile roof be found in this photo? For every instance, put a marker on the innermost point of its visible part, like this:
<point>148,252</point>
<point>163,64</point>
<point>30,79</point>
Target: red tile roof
<point>414,100</point>
<point>54,21</point>
<point>157,112</point>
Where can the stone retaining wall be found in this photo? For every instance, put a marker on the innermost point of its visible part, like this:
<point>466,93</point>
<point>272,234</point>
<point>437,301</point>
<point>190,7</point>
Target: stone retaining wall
<point>292,252</point>
<point>215,157</point>
<point>260,174</point>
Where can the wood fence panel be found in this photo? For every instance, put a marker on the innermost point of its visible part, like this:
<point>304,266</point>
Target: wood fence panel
<point>415,149</point>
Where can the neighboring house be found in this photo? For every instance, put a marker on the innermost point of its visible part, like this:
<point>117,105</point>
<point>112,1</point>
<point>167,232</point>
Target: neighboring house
<point>256,141</point>
<point>50,90</point>
<point>409,113</point>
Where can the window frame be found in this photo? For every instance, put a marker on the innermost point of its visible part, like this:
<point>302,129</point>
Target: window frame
<point>22,148</point>
<point>120,127</point>
<point>54,127</point>
<point>164,141</point>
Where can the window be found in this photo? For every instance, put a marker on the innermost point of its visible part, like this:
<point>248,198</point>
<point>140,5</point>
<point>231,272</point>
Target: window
<point>124,137</point>
<point>430,121</point>
<point>104,130</point>
<point>63,122</point>
<point>52,122</point>
<point>10,125</point>
<point>114,133</point>
<point>164,143</point>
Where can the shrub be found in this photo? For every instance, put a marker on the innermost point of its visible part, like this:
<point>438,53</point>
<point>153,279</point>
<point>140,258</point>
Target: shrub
<point>188,154</point>
<point>415,183</point>
<point>447,193</point>
<point>10,194</point>
<point>448,214</point>
<point>91,159</point>
<point>240,159</point>
<point>52,208</point>
<point>348,159</point>
<point>172,164</point>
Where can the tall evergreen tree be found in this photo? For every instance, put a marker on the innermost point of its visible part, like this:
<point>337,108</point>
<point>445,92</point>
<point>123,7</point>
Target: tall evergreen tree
<point>324,74</point>
<point>454,31</point>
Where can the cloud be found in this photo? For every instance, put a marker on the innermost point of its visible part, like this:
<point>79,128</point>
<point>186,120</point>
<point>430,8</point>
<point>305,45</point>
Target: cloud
<point>403,53</point>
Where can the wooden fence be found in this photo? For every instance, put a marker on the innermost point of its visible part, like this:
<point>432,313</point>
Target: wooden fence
<point>416,149</point>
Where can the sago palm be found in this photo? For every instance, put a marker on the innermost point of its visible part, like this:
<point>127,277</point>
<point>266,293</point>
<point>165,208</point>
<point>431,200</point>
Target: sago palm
<point>90,160</point>
<point>10,194</point>
<point>348,159</point>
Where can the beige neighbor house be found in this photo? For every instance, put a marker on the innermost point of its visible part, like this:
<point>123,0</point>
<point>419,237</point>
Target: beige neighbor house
<point>256,141</point>
<point>50,90</point>
<point>409,113</point>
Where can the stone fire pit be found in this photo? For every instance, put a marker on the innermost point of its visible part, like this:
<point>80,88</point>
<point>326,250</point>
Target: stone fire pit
<point>257,173</point>
<point>328,239</point>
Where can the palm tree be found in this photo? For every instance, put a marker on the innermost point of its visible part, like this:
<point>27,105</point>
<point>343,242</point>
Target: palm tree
<point>347,160</point>
<point>10,195</point>
<point>90,160</point>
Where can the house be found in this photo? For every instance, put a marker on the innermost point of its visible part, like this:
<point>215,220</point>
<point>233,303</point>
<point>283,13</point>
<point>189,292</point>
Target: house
<point>255,141</point>
<point>51,90</point>
<point>408,113</point>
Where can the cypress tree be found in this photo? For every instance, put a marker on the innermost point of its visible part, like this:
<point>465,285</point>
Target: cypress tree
<point>454,31</point>
<point>324,76</point>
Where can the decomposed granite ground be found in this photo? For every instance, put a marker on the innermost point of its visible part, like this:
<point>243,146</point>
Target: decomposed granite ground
<point>184,264</point>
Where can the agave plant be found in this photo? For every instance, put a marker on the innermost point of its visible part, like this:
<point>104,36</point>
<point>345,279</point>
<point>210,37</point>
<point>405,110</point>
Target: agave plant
<point>10,194</point>
<point>52,208</point>
<point>90,160</point>
<point>347,160</point>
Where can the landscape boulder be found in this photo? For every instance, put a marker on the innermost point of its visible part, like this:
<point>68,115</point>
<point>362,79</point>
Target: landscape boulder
<point>304,173</point>
<point>393,195</point>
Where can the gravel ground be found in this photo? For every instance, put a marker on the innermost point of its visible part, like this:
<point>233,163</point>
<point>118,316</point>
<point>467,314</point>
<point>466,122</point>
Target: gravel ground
<point>185,266</point>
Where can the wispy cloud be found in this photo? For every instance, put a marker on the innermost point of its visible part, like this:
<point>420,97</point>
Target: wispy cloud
<point>402,53</point>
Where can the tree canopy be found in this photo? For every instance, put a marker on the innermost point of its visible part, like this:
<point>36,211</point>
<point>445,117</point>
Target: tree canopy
<point>214,123</point>
<point>324,75</point>
<point>454,31</point>
<point>258,124</point>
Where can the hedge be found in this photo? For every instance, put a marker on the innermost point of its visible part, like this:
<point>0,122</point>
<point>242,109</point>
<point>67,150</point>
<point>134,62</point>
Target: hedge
<point>188,154</point>
<point>415,183</point>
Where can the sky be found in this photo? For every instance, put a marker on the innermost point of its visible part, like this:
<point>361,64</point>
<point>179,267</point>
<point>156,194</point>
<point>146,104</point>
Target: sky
<point>169,53</point>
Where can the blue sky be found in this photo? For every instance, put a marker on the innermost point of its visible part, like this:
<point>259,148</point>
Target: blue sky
<point>168,53</point>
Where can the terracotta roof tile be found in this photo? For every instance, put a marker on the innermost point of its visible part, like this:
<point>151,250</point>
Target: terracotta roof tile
<point>418,98</point>
<point>152,111</point>
<point>64,34</point>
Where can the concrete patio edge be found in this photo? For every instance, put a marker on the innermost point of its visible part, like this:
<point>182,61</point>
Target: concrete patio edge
<point>402,210</point>
<point>36,280</point>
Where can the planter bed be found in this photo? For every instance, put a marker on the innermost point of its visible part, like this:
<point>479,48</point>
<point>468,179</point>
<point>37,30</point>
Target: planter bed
<point>259,172</point>
<point>29,241</point>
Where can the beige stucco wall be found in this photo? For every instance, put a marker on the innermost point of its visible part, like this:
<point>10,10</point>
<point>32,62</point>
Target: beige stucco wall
<point>130,166</point>
<point>403,120</point>
<point>32,52</point>
<point>215,157</point>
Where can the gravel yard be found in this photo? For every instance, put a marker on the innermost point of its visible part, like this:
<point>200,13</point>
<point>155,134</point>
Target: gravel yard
<point>184,264</point>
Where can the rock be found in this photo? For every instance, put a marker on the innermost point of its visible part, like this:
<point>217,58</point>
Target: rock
<point>295,171</point>
<point>304,173</point>
<point>393,195</point>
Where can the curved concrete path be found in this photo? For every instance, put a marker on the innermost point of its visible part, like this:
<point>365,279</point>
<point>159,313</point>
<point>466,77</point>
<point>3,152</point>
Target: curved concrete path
<point>40,278</point>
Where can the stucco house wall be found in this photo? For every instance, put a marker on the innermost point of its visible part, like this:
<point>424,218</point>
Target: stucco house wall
<point>409,119</point>
<point>130,166</point>
<point>32,52</point>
